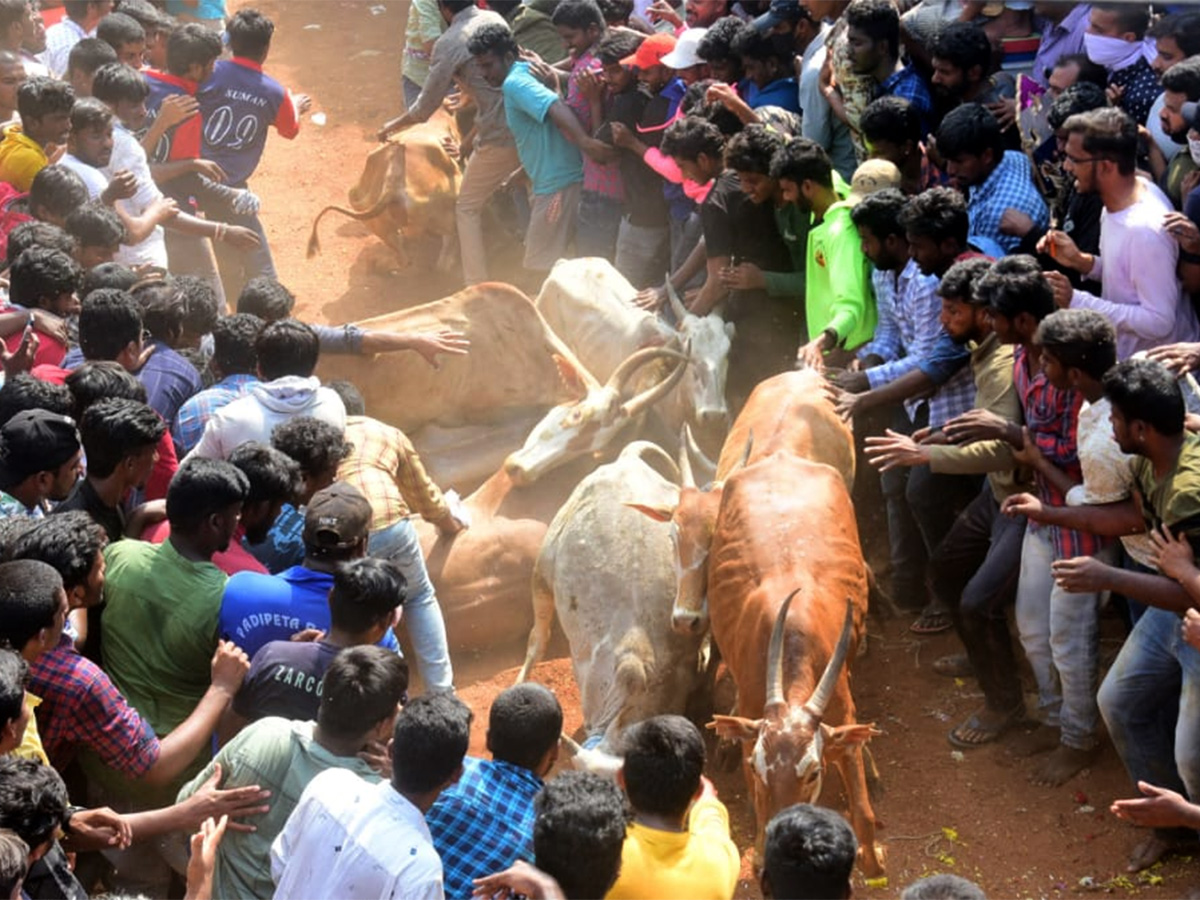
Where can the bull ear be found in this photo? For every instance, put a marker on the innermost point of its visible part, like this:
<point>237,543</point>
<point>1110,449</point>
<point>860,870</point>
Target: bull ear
<point>844,736</point>
<point>574,382</point>
<point>735,728</point>
<point>657,513</point>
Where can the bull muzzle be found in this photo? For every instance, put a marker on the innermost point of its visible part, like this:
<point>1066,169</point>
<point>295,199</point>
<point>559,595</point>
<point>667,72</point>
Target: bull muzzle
<point>688,622</point>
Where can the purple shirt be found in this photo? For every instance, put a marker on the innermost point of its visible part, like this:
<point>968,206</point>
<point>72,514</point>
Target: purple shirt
<point>1063,39</point>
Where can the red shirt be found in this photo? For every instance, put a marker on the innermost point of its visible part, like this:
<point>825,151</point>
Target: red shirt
<point>236,559</point>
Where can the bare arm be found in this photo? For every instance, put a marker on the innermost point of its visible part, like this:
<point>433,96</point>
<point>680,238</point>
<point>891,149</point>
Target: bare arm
<point>566,121</point>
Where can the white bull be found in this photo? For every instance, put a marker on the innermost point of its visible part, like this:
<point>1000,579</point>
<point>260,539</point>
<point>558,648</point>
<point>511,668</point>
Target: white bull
<point>607,570</point>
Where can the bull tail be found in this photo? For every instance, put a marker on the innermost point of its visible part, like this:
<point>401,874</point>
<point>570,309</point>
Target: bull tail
<point>880,601</point>
<point>377,209</point>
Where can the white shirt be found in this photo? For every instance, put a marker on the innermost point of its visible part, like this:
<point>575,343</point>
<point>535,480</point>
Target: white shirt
<point>92,177</point>
<point>61,38</point>
<point>1139,290</point>
<point>128,154</point>
<point>349,838</point>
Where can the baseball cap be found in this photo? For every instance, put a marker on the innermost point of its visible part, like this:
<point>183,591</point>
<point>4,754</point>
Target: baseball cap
<point>338,517</point>
<point>684,56</point>
<point>781,11</point>
<point>873,175</point>
<point>35,440</point>
<point>651,51</point>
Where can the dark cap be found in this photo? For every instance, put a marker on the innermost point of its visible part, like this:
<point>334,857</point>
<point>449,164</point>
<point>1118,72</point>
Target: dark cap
<point>33,441</point>
<point>338,517</point>
<point>781,11</point>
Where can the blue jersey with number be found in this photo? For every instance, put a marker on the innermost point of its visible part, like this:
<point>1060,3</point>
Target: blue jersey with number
<point>238,104</point>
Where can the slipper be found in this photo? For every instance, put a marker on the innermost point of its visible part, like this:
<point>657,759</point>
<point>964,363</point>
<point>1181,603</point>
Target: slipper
<point>989,734</point>
<point>932,621</point>
<point>956,665</point>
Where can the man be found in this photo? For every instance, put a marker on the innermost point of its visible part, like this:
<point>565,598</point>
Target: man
<point>1063,27</point>
<point>40,460</point>
<point>532,28</point>
<point>962,57</point>
<point>839,306</point>
<point>994,179</point>
<point>1176,38</point>
<point>485,822</point>
<point>819,124</point>
<point>45,108</point>
<point>86,57</point>
<point>12,76</point>
<point>126,36</point>
<point>767,62</point>
<point>716,50</point>
<point>98,232</point>
<point>1115,39</point>
<point>80,22</point>
<point>891,130</point>
<point>549,140</point>
<point>15,19</point>
<point>361,693</point>
<point>873,38</point>
<point>235,366</point>
<point>809,854</point>
<point>1136,265</point>
<point>573,810</point>
<point>349,838</point>
<point>44,279</point>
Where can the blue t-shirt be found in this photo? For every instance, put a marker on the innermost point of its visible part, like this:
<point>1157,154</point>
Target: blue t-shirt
<point>257,608</point>
<point>782,92</point>
<point>238,104</point>
<point>551,161</point>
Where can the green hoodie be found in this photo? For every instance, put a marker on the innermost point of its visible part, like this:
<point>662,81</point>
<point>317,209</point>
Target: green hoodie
<point>838,292</point>
<point>534,31</point>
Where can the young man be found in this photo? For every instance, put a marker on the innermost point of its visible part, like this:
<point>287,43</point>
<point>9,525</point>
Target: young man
<point>716,49</point>
<point>994,179</point>
<point>98,232</point>
<point>1176,38</point>
<point>576,810</point>
<point>767,62</point>
<point>809,854</point>
<point>819,124</point>
<point>873,39</point>
<point>485,822</point>
<point>839,306</point>
<point>360,695</point>
<point>549,140</point>
<point>45,108</point>
<point>126,36</point>
<point>1115,39</point>
<point>962,57</point>
<point>678,844</point>
<point>347,837</point>
<point>12,76</point>
<point>1139,287</point>
<point>235,366</point>
<point>86,57</point>
<point>80,22</point>
<point>42,460</point>
<point>891,130</point>
<point>48,280</point>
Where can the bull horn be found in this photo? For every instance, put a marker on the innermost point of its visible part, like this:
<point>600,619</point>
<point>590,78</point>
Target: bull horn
<point>635,361</point>
<point>698,454</point>
<point>820,698</point>
<point>741,463</point>
<point>686,478</point>
<point>677,306</point>
<point>775,657</point>
<point>652,395</point>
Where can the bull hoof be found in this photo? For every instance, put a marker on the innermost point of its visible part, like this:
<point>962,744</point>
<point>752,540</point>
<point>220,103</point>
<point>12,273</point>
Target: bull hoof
<point>873,861</point>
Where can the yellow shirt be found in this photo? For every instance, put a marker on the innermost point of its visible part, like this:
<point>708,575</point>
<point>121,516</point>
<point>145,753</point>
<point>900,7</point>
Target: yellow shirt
<point>31,741</point>
<point>21,158</point>
<point>699,863</point>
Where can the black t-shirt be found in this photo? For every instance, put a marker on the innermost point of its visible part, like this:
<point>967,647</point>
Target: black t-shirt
<point>645,203</point>
<point>285,679</point>
<point>736,227</point>
<point>83,496</point>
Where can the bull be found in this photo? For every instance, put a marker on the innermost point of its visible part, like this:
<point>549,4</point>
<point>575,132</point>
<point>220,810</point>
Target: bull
<point>628,663</point>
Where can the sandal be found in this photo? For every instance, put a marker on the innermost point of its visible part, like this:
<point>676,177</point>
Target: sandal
<point>988,732</point>
<point>932,621</point>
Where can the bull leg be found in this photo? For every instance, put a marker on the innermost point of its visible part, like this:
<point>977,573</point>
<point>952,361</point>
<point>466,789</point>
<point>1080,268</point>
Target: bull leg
<point>849,763</point>
<point>448,258</point>
<point>539,634</point>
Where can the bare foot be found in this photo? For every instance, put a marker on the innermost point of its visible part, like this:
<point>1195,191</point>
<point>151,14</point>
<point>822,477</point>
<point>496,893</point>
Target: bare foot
<point>1042,739</point>
<point>1154,848</point>
<point>1064,763</point>
<point>984,726</point>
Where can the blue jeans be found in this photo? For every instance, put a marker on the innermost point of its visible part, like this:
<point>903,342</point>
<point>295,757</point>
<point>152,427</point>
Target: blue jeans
<point>422,616</point>
<point>598,222</point>
<point>1150,701</point>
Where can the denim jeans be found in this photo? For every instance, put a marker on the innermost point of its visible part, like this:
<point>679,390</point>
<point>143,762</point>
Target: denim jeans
<point>596,230</point>
<point>909,556</point>
<point>1150,701</point>
<point>422,616</point>
<point>1060,632</point>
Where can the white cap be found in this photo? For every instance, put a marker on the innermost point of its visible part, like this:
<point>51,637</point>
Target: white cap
<point>684,55</point>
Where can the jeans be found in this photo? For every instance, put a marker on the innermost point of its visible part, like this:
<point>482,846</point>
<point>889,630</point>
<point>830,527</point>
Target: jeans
<point>422,616</point>
<point>1150,701</point>
<point>909,556</point>
<point>1060,632</point>
<point>598,222</point>
<point>974,573</point>
<point>239,266</point>
<point>643,253</point>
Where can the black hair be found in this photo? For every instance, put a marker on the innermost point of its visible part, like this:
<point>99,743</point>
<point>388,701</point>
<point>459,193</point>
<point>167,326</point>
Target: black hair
<point>273,476</point>
<point>41,275</point>
<point>108,275</point>
<point>1080,339</point>
<point>1133,17</point>
<point>1015,285</point>
<point>456,6</point>
<point>1081,97</point>
<point>352,397</point>
<point>318,446</point>
<point>234,339</point>
<point>286,347</point>
<point>1089,71</point>
<point>616,12</point>
<point>524,724</point>
<point>365,593</point>
<point>890,118</point>
<point>752,149</point>
<point>68,542</point>
<point>879,213</point>
<point>943,887</point>
<point>38,234</point>
<point>12,12</point>
<point>14,676</point>
<point>100,379</point>
<point>362,686</point>
<point>152,19</point>
<point>33,800</point>
<point>266,298</point>
<point>1183,28</point>
<point>1108,133</point>
<point>115,429</point>
<point>809,853</point>
<point>202,488</point>
<point>116,82</point>
<point>1184,77</point>
<point>690,136</point>
<point>694,103</point>
<point>970,130</point>
<point>963,45</point>
<point>201,307</point>
<point>77,9</point>
<point>118,29</point>
<point>23,392</point>
<point>39,97</point>
<point>493,37</point>
<point>191,45</point>
<point>959,281</point>
<point>717,43</point>
<point>878,20</point>
<point>802,160</point>
<point>617,44</point>
<point>14,861</point>
<point>1146,391</point>
<point>750,43</point>
<point>29,601</point>
<point>57,190</point>
<point>163,306</point>
<point>664,759</point>
<point>249,33</point>
<point>90,54</point>
<point>96,225</point>
<point>578,14</point>
<point>939,213</point>
<point>579,832</point>
<point>12,529</point>
<point>429,742</point>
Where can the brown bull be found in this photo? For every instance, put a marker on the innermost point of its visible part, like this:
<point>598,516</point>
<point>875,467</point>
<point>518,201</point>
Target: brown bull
<point>407,189</point>
<point>786,529</point>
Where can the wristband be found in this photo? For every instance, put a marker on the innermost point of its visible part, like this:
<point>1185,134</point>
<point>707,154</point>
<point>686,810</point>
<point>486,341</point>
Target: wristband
<point>67,814</point>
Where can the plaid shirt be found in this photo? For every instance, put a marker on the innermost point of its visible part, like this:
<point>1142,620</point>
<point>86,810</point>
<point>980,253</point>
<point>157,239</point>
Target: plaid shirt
<point>1010,186</point>
<point>484,823</point>
<point>81,706</point>
<point>909,321</point>
<point>909,84</point>
<point>387,469</point>
<point>598,178</point>
<point>1052,417</point>
<point>195,413</point>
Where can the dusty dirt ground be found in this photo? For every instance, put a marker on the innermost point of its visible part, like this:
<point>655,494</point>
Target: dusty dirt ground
<point>973,814</point>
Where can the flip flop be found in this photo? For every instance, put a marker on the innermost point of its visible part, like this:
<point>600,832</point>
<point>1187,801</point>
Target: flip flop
<point>932,621</point>
<point>973,723</point>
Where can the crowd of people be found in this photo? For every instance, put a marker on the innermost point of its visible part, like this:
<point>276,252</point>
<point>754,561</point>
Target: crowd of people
<point>981,221</point>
